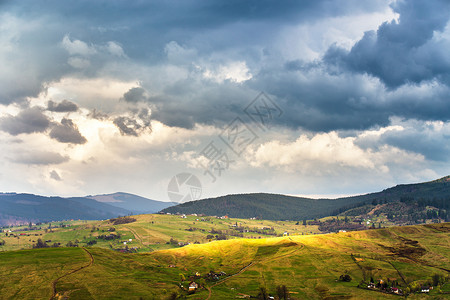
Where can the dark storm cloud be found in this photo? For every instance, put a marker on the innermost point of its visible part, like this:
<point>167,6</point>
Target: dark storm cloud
<point>431,145</point>
<point>404,51</point>
<point>143,29</point>
<point>135,95</point>
<point>201,102</point>
<point>127,126</point>
<point>311,98</point>
<point>38,157</point>
<point>63,106</point>
<point>67,132</point>
<point>318,101</point>
<point>135,125</point>
<point>29,120</point>
<point>430,140</point>
<point>192,14</point>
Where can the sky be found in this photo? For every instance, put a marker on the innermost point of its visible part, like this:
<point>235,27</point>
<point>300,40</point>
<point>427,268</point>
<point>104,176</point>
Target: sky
<point>313,98</point>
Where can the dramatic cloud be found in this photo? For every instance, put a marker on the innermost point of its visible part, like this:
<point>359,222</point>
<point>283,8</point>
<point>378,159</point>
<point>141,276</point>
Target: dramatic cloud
<point>127,126</point>
<point>405,51</point>
<point>135,125</point>
<point>135,95</point>
<point>29,120</point>
<point>64,106</point>
<point>430,139</point>
<point>67,132</point>
<point>363,87</point>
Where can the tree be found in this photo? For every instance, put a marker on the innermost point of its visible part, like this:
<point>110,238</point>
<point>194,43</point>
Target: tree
<point>93,242</point>
<point>40,244</point>
<point>282,292</point>
<point>71,244</point>
<point>262,295</point>
<point>346,278</point>
<point>304,222</point>
<point>437,279</point>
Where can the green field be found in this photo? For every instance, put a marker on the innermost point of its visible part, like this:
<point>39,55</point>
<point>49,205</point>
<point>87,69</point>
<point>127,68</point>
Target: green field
<point>149,232</point>
<point>308,265</point>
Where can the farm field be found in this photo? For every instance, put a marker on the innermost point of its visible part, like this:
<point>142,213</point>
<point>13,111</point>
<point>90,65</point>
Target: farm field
<point>149,232</point>
<point>309,266</point>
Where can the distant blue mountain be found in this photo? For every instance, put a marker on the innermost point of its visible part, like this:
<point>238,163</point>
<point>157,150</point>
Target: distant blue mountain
<point>24,208</point>
<point>135,204</point>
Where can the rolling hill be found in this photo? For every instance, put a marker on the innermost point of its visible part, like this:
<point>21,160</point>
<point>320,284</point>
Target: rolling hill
<point>309,266</point>
<point>281,207</point>
<point>135,204</point>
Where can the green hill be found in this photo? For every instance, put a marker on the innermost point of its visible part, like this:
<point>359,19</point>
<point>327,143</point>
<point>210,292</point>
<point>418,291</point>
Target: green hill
<point>281,207</point>
<point>310,267</point>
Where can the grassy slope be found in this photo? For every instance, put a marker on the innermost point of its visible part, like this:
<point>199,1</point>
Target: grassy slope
<point>307,265</point>
<point>147,236</point>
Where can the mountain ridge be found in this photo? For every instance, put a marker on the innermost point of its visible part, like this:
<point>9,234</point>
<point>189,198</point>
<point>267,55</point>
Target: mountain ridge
<point>134,203</point>
<point>20,208</point>
<point>282,207</point>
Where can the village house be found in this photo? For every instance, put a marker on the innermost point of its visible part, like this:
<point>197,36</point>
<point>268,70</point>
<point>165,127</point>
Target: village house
<point>193,286</point>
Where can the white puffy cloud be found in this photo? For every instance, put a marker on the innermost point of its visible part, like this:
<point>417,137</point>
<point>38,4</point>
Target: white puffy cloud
<point>77,47</point>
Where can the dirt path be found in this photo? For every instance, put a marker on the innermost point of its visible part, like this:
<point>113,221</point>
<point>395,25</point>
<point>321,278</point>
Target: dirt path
<point>398,271</point>
<point>228,277</point>
<point>249,265</point>
<point>54,282</point>
<point>136,235</point>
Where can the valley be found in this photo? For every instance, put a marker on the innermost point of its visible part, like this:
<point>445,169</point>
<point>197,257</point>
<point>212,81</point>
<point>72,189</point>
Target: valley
<point>308,265</point>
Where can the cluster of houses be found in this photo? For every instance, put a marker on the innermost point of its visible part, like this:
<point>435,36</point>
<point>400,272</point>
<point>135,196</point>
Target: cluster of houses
<point>394,290</point>
<point>193,285</point>
<point>426,289</point>
<point>184,216</point>
<point>382,285</point>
